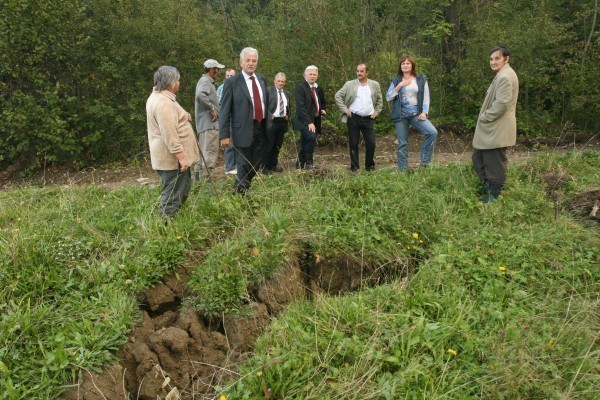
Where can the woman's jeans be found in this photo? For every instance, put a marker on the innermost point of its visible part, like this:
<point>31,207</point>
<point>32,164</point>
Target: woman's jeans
<point>426,128</point>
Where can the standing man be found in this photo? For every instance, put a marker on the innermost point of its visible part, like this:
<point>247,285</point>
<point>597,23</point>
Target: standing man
<point>207,113</point>
<point>310,107</point>
<point>496,126</point>
<point>230,155</point>
<point>360,102</point>
<point>277,122</point>
<point>242,118</point>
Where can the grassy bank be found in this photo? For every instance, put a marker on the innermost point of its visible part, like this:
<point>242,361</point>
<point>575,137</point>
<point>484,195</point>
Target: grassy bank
<point>74,259</point>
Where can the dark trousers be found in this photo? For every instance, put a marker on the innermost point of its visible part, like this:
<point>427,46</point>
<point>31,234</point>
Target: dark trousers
<point>176,187</point>
<point>249,159</point>
<point>356,125</point>
<point>308,141</point>
<point>275,136</point>
<point>490,164</point>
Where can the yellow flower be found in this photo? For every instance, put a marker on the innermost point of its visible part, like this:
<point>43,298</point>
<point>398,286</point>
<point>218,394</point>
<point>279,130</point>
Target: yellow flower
<point>16,229</point>
<point>420,241</point>
<point>178,237</point>
<point>222,397</point>
<point>103,196</point>
<point>415,235</point>
<point>451,352</point>
<point>103,206</point>
<point>502,268</point>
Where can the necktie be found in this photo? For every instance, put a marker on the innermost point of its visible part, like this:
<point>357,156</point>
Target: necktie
<point>258,111</point>
<point>281,106</point>
<point>314,94</point>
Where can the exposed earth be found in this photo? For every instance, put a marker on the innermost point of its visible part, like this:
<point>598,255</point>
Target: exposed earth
<point>181,354</point>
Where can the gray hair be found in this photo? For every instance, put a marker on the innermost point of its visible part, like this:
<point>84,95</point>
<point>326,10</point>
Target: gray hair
<point>248,50</point>
<point>311,67</point>
<point>165,77</point>
<point>280,75</point>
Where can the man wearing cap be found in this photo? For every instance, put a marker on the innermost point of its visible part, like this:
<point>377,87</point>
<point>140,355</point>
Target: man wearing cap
<point>207,115</point>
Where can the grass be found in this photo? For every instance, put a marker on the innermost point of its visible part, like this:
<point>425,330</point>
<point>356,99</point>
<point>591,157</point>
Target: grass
<point>74,259</point>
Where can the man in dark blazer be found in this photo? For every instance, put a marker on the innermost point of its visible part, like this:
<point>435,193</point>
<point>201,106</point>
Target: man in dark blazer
<point>310,107</point>
<point>242,119</point>
<point>277,122</point>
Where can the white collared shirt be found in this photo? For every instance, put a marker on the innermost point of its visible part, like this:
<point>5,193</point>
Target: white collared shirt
<point>316,95</point>
<point>249,84</point>
<point>363,103</point>
<point>280,94</point>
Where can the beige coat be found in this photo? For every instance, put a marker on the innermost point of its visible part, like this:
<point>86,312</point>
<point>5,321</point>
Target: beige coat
<point>497,122</point>
<point>347,94</point>
<point>169,132</point>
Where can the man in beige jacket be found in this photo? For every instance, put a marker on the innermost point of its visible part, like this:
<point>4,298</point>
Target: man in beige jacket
<point>360,101</point>
<point>496,126</point>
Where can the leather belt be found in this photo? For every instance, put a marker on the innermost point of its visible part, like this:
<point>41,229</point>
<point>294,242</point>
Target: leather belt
<point>360,116</point>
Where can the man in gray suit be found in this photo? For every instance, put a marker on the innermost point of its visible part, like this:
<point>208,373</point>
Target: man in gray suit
<point>360,101</point>
<point>277,122</point>
<point>242,119</point>
<point>207,112</point>
<point>496,126</point>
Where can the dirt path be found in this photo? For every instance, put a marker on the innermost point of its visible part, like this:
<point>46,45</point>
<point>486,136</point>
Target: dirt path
<point>449,148</point>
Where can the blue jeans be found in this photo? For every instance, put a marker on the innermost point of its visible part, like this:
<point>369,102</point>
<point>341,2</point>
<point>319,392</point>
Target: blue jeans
<point>426,128</point>
<point>230,158</point>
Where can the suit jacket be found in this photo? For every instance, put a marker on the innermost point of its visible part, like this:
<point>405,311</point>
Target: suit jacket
<point>204,101</point>
<point>497,122</point>
<point>272,104</point>
<point>305,106</point>
<point>347,94</point>
<point>236,118</point>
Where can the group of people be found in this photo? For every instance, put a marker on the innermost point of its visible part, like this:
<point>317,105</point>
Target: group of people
<point>249,120</point>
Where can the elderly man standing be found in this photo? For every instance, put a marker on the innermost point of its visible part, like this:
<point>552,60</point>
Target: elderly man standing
<point>242,118</point>
<point>207,113</point>
<point>496,126</point>
<point>310,107</point>
<point>277,122</point>
<point>360,101</point>
<point>173,146</point>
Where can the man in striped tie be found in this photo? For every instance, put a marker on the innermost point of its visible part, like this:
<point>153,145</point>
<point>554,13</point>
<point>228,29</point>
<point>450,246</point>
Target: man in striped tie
<point>277,122</point>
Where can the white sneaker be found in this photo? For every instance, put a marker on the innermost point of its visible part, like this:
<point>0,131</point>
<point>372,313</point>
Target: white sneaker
<point>232,172</point>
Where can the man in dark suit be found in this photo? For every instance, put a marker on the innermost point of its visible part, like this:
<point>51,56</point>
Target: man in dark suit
<point>277,122</point>
<point>310,107</point>
<point>242,119</point>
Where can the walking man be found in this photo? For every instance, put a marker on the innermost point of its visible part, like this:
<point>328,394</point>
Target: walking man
<point>360,101</point>
<point>310,107</point>
<point>207,113</point>
<point>242,118</point>
<point>277,122</point>
<point>496,126</point>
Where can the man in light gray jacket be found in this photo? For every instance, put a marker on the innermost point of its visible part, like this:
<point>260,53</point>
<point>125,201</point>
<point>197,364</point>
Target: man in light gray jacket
<point>360,102</point>
<point>496,128</point>
<point>207,115</point>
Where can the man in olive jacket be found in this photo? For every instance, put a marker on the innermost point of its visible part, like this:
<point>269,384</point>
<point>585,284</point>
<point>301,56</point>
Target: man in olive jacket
<point>360,101</point>
<point>496,128</point>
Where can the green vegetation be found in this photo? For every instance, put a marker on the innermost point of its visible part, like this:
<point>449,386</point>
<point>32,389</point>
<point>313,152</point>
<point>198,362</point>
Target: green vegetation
<point>73,260</point>
<point>75,75</point>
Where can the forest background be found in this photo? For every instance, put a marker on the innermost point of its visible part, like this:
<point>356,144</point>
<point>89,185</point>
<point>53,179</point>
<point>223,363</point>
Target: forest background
<point>75,75</point>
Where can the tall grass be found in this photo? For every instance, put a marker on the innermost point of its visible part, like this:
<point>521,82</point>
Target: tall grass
<point>74,259</point>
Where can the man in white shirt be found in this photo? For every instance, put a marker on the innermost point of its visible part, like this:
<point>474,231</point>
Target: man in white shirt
<point>360,101</point>
<point>277,122</point>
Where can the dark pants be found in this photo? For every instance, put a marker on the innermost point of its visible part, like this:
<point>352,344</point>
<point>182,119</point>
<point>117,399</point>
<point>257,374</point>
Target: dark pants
<point>356,125</point>
<point>249,159</point>
<point>308,141</point>
<point>490,164</point>
<point>275,136</point>
<point>175,189</point>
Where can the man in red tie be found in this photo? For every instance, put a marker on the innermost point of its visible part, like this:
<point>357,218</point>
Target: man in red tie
<point>242,119</point>
<point>310,107</point>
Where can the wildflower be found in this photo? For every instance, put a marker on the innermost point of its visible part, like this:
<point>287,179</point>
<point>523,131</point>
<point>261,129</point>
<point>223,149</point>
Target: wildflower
<point>502,269</point>
<point>17,229</point>
<point>178,237</point>
<point>103,206</point>
<point>255,252</point>
<point>18,219</point>
<point>452,352</point>
<point>415,235</point>
<point>222,231</point>
<point>222,397</point>
<point>420,241</point>
<point>103,196</point>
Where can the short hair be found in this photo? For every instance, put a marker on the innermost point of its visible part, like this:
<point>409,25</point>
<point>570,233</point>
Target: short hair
<point>280,75</point>
<point>413,63</point>
<point>230,69</point>
<point>248,50</point>
<point>311,67</point>
<point>165,77</point>
<point>366,66</point>
<point>504,50</point>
